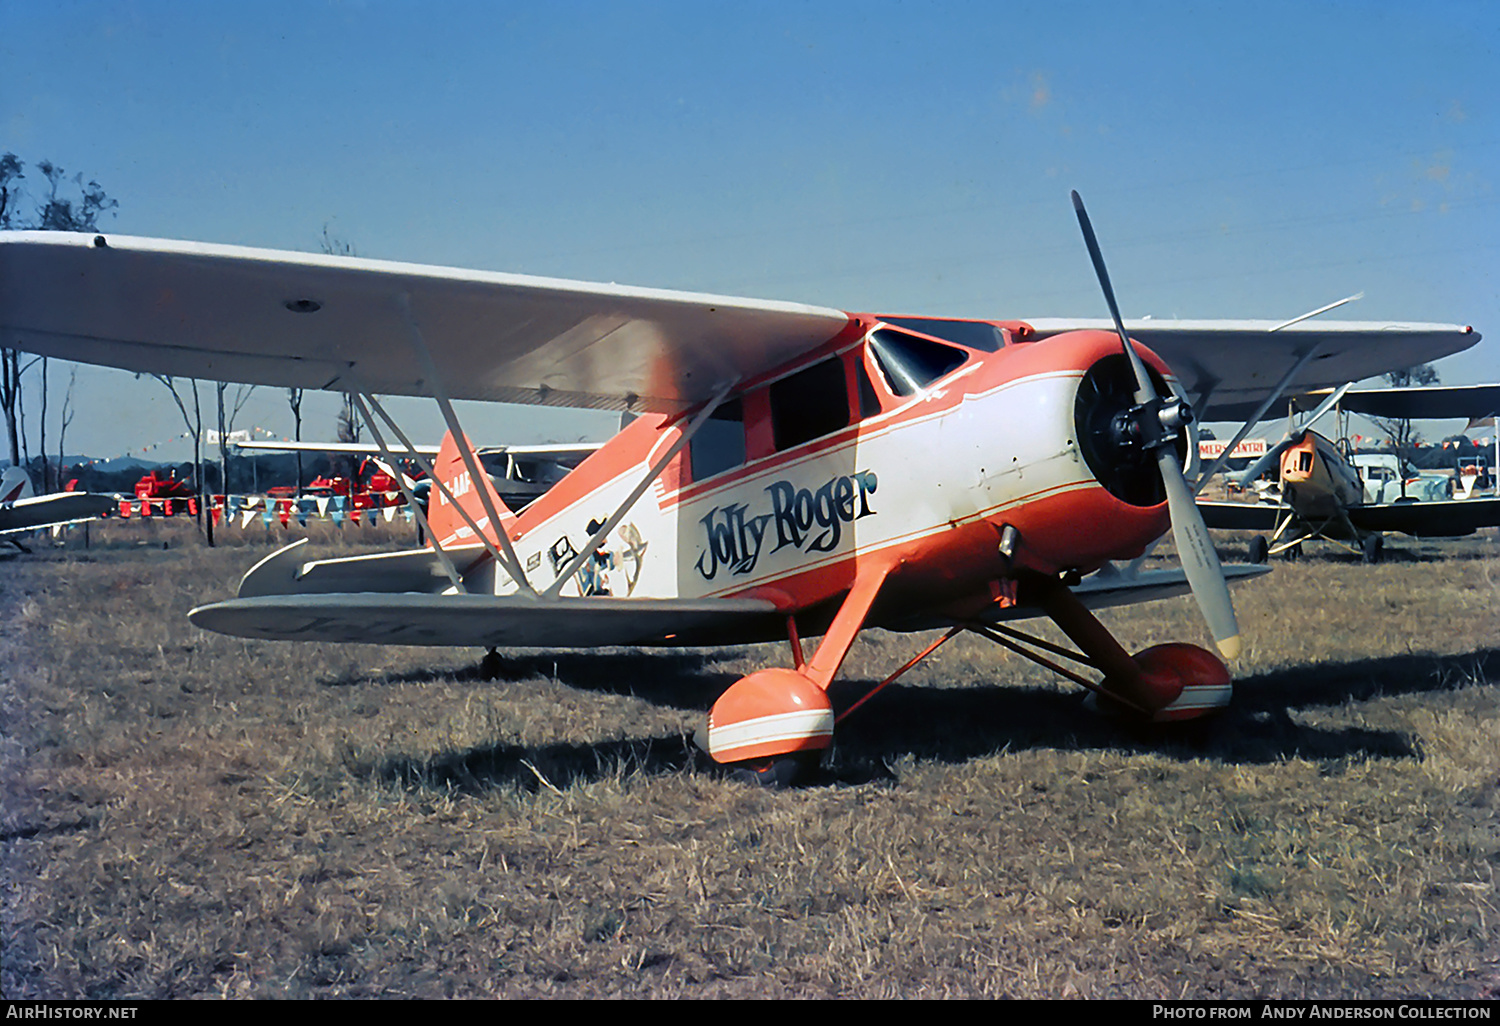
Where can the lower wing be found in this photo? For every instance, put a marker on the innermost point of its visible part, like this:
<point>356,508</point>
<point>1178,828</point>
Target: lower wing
<point>1429,519</point>
<point>52,510</point>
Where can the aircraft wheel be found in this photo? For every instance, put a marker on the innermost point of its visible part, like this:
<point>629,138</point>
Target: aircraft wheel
<point>1260,549</point>
<point>1371,547</point>
<point>777,771</point>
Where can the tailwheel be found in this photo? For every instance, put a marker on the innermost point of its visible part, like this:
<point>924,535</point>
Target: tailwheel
<point>1260,549</point>
<point>1370,548</point>
<point>490,666</point>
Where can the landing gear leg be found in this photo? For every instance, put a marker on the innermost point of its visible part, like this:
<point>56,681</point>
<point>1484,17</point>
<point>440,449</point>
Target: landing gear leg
<point>1163,683</point>
<point>774,725</point>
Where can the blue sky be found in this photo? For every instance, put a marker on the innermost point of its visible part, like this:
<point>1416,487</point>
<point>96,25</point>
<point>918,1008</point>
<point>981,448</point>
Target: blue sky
<point>1239,160</point>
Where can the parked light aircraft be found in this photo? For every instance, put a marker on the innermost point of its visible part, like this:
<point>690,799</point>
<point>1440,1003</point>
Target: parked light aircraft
<point>22,510</point>
<point>519,472</point>
<point>794,470</point>
<point>1323,495</point>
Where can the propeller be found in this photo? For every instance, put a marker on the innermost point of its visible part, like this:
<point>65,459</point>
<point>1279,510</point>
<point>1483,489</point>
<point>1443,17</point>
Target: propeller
<point>1157,423</point>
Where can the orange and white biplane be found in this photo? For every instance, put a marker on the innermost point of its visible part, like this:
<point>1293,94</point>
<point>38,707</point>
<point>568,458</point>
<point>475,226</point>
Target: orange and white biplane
<point>1324,497</point>
<point>794,470</point>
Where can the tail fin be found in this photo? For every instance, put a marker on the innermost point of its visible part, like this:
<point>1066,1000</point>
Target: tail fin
<point>15,484</point>
<point>449,527</point>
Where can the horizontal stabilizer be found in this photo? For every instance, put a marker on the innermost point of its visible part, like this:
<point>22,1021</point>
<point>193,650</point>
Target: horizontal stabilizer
<point>287,572</point>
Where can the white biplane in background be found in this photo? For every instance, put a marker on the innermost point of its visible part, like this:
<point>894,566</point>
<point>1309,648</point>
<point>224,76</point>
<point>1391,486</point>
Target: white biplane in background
<point>1327,495</point>
<point>23,511</point>
<point>793,471</point>
<point>519,473</point>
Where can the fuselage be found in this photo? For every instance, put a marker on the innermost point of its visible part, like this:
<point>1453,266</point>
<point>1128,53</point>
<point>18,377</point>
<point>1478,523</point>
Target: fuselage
<point>1317,480</point>
<point>885,443</point>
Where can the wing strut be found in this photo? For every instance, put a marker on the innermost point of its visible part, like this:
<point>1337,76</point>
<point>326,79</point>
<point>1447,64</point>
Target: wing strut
<point>635,493</point>
<point>512,563</point>
<point>438,483</point>
<point>411,500</point>
<point>1291,438</point>
<point>1281,386</point>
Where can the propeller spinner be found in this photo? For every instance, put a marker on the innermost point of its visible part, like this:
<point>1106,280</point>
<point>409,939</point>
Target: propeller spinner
<point>1155,424</point>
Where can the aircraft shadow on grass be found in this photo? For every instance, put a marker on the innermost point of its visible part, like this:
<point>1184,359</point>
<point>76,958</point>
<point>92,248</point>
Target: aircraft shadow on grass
<point>952,725</point>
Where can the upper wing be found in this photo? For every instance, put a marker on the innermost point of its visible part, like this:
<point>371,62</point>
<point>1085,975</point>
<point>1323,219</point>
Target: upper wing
<point>52,510</point>
<point>1429,519</point>
<point>1237,363</point>
<point>230,313</point>
<point>1429,403</point>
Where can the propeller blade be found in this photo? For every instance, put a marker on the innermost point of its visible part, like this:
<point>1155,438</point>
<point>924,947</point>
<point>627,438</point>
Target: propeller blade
<point>1199,560</point>
<point>1194,547</point>
<point>1144,390</point>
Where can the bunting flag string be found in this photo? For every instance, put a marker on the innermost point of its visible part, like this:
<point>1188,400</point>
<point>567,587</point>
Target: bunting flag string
<point>243,509</point>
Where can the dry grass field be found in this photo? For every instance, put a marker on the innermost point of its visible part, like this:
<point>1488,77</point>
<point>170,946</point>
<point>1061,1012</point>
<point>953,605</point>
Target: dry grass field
<point>189,815</point>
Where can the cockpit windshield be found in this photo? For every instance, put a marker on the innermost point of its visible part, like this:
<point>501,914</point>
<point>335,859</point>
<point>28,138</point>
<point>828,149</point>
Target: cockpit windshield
<point>979,335</point>
<point>910,363</point>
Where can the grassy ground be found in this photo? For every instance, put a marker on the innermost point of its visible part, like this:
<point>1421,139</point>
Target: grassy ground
<point>191,815</point>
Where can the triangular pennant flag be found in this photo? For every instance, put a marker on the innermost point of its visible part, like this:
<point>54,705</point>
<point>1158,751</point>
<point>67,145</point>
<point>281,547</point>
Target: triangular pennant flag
<point>322,505</point>
<point>246,516</point>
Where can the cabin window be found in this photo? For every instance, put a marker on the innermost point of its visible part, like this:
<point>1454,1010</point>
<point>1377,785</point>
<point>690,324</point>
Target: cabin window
<point>910,363</point>
<point>719,444</point>
<point>979,335</point>
<point>809,404</point>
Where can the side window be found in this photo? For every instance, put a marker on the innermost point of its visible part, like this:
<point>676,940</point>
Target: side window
<point>809,404</point>
<point>720,443</point>
<point>910,363</point>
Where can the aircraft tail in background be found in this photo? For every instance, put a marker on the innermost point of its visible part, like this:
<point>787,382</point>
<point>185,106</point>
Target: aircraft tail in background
<point>446,522</point>
<point>15,484</point>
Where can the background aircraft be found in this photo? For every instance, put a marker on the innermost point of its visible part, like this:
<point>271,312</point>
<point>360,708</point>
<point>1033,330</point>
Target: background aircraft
<point>22,510</point>
<point>1325,497</point>
<point>520,473</point>
<point>810,471</point>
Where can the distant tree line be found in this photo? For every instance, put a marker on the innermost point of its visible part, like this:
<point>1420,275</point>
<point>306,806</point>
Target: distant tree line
<point>63,204</point>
